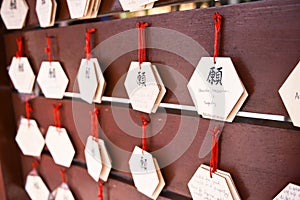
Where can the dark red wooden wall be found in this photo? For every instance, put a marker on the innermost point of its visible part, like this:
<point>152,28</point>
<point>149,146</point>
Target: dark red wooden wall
<point>262,38</point>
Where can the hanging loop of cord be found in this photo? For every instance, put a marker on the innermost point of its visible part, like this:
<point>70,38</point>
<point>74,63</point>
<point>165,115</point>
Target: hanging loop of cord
<point>33,165</point>
<point>88,43</point>
<point>28,111</point>
<point>100,193</point>
<point>214,151</point>
<point>217,19</point>
<point>144,136</point>
<point>56,115</point>
<point>19,41</point>
<point>94,123</point>
<point>141,42</point>
<point>63,175</point>
<point>48,49</point>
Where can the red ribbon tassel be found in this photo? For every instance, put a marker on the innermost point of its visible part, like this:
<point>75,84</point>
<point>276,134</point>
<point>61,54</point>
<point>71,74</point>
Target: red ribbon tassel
<point>56,113</point>
<point>144,140</point>
<point>19,53</point>
<point>94,123</point>
<point>88,43</point>
<point>215,150</point>
<point>141,42</point>
<point>34,164</point>
<point>100,193</point>
<point>217,18</point>
<point>63,176</point>
<point>28,111</point>
<point>48,49</point>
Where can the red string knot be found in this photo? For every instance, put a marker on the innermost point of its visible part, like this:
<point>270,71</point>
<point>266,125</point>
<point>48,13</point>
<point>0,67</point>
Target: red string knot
<point>217,18</point>
<point>215,131</point>
<point>141,25</point>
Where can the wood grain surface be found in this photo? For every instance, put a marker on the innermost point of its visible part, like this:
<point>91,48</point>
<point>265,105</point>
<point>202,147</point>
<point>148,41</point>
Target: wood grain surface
<point>262,38</point>
<point>2,187</point>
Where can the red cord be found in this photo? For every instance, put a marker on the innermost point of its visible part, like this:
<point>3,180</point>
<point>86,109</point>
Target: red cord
<point>144,139</point>
<point>100,194</point>
<point>34,164</point>
<point>19,41</point>
<point>63,176</point>
<point>217,18</point>
<point>141,42</point>
<point>28,111</point>
<point>56,112</point>
<point>88,43</point>
<point>94,123</point>
<point>215,150</point>
<point>48,49</point>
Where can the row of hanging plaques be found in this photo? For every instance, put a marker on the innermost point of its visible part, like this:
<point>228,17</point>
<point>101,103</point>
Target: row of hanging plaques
<point>14,12</point>
<point>215,87</point>
<point>144,168</point>
<point>219,187</point>
<point>52,79</point>
<point>31,142</point>
<point>207,182</point>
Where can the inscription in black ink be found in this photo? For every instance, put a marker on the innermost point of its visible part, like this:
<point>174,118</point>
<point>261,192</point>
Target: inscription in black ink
<point>21,67</point>
<point>36,186</point>
<point>87,72</point>
<point>297,97</point>
<point>13,4</point>
<point>215,76</point>
<point>52,73</point>
<point>144,163</point>
<point>93,152</point>
<point>141,79</point>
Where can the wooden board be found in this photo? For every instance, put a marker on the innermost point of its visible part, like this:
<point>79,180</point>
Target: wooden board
<point>2,188</point>
<point>9,152</point>
<point>262,39</point>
